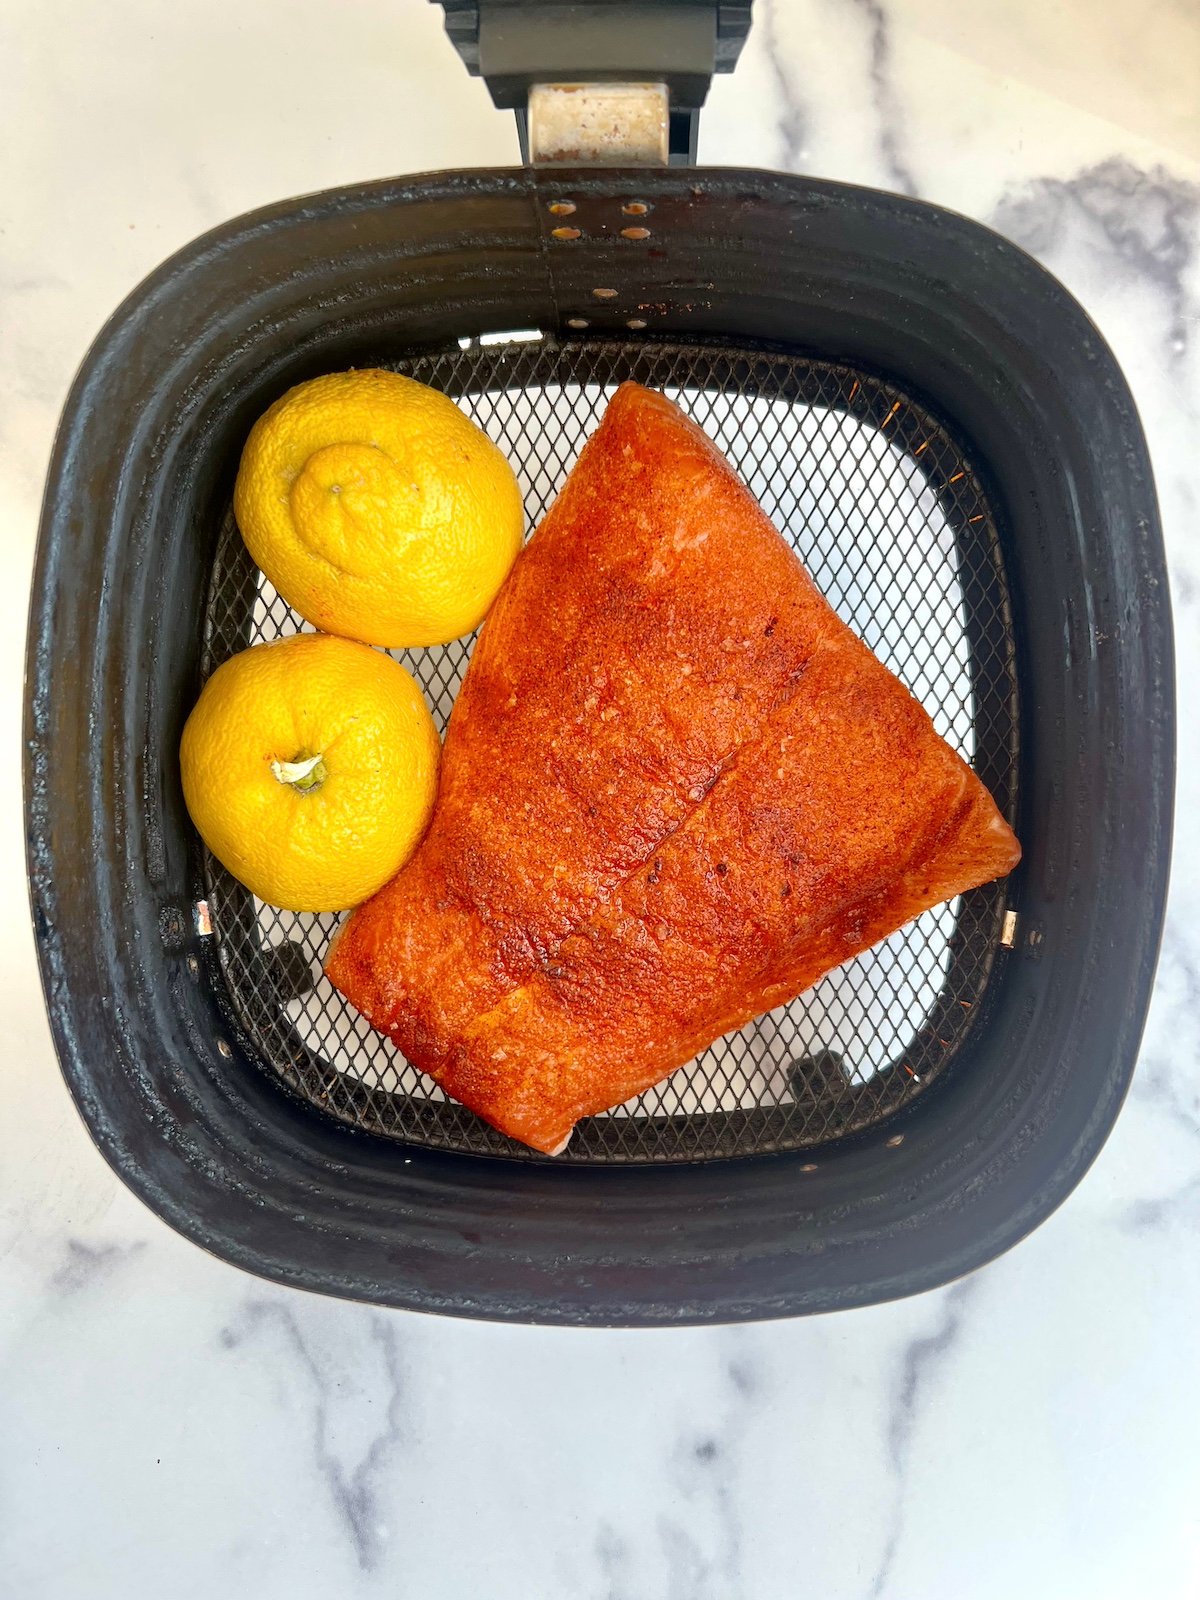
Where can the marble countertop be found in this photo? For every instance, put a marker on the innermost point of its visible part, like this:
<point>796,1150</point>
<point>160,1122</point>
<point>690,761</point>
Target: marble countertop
<point>171,1426</point>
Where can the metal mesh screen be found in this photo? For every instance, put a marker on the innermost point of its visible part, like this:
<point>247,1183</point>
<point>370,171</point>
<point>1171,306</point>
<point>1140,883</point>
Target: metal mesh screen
<point>893,524</point>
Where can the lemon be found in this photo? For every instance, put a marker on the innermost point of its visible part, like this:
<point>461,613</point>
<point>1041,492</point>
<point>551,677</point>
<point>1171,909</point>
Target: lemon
<point>377,509</point>
<point>309,768</point>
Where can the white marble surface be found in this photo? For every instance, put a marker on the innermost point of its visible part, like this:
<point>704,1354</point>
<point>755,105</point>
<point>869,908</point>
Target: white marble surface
<point>168,1426</point>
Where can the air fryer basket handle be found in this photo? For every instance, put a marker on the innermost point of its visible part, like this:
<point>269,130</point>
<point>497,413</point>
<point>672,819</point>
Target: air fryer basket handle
<point>668,48</point>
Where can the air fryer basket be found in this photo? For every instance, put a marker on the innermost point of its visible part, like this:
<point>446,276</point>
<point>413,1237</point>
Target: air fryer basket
<point>894,525</point>
<point>947,440</point>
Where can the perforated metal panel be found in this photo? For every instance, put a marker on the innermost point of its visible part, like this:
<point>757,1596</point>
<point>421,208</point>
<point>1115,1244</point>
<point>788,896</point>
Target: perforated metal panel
<point>894,526</point>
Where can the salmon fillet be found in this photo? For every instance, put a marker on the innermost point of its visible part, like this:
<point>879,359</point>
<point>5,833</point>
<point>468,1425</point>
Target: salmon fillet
<point>675,791</point>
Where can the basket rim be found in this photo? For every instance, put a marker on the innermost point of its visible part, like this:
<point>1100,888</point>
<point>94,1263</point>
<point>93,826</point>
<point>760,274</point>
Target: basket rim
<point>252,1180</point>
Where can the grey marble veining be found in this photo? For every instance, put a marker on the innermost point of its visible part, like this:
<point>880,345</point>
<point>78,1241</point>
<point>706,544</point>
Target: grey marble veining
<point>1147,221</point>
<point>358,1416</point>
<point>888,112</point>
<point>923,1358</point>
<point>170,1426</point>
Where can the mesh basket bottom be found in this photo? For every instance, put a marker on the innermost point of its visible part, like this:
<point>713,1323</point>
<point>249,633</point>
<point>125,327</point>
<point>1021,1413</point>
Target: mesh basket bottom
<point>892,523</point>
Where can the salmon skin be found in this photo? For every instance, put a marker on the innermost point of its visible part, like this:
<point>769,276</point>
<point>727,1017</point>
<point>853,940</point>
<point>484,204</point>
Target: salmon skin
<point>676,790</point>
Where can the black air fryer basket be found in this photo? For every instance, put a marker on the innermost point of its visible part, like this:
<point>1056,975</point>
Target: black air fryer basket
<point>941,432</point>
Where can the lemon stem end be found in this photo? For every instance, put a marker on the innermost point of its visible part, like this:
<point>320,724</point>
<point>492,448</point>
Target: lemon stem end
<point>304,774</point>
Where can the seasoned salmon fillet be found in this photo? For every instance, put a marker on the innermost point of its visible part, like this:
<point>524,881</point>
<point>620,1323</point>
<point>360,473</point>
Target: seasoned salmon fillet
<point>675,791</point>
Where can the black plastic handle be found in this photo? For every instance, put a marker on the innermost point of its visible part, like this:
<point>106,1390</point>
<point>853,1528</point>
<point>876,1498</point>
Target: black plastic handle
<point>514,44</point>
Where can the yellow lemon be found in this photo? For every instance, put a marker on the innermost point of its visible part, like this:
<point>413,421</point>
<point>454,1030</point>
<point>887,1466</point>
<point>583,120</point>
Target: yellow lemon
<point>377,509</point>
<point>309,768</point>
